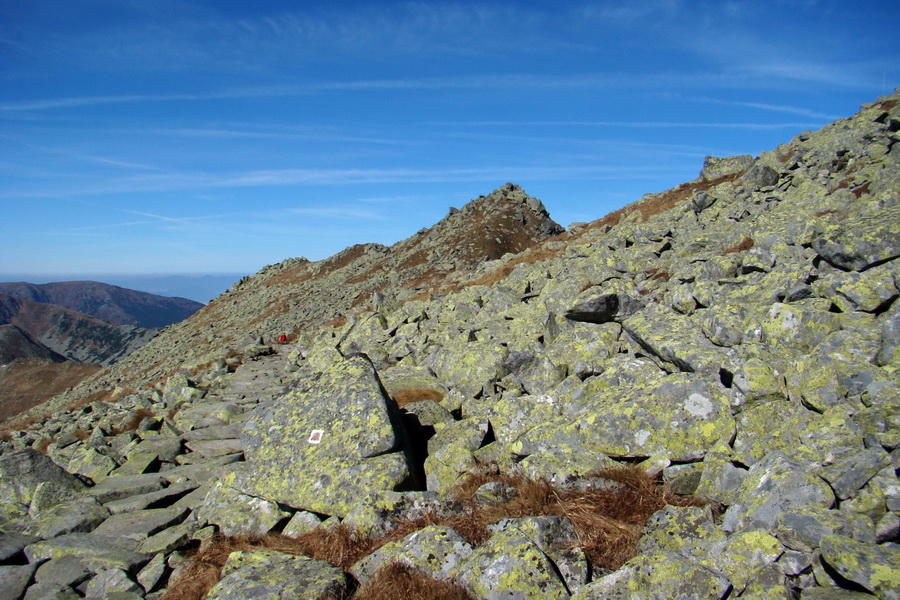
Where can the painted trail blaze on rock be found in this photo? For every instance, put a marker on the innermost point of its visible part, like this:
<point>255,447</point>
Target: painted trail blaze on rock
<point>322,449</point>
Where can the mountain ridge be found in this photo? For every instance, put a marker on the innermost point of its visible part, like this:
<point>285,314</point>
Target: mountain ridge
<point>70,334</point>
<point>107,302</point>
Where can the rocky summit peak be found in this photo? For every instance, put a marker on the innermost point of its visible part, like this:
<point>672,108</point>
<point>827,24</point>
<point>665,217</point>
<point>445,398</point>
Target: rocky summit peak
<point>693,397</point>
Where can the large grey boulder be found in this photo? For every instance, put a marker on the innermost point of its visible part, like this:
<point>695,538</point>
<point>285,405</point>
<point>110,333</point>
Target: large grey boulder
<point>875,568</point>
<point>14,580</point>
<point>82,515</point>
<point>238,514</point>
<point>846,248</point>
<point>22,472</point>
<point>261,575</point>
<point>321,449</point>
<point>97,552</point>
<point>435,550</point>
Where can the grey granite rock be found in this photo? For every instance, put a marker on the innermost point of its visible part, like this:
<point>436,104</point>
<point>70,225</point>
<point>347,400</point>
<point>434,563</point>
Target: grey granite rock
<point>264,574</point>
<point>14,580</point>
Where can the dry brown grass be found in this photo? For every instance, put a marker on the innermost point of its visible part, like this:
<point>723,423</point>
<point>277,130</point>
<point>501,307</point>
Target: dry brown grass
<point>338,321</point>
<point>608,523</point>
<point>532,256</point>
<point>860,190</point>
<point>396,581</point>
<point>43,444</point>
<point>133,422</point>
<point>745,245</point>
<point>409,395</point>
<point>27,384</point>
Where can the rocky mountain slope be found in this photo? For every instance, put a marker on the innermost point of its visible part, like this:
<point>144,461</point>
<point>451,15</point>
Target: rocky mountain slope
<point>66,333</point>
<point>107,302</point>
<point>15,344</point>
<point>298,295</point>
<point>735,337</point>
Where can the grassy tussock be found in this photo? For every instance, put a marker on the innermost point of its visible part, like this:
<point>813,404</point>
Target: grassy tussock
<point>133,422</point>
<point>745,245</point>
<point>409,395</point>
<point>396,581</point>
<point>608,524</point>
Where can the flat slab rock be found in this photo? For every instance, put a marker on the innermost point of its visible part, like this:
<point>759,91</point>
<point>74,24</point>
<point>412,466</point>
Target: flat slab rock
<point>116,488</point>
<point>323,449</point>
<point>97,552</point>
<point>141,524</point>
<point>264,574</point>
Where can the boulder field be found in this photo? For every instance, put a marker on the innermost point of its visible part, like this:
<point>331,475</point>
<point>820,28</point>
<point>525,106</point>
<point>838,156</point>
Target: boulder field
<point>736,339</point>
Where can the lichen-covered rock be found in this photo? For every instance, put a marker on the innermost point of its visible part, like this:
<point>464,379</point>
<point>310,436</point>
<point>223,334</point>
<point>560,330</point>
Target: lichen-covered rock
<point>138,525</point>
<point>65,571</point>
<point>97,552</point>
<point>861,241</point>
<point>239,514</point>
<point>715,167</point>
<point>22,472</point>
<point>687,531</point>
<point>803,528</point>
<point>377,513</point>
<point>267,575</point>
<point>557,539</point>
<point>436,551</point>
<point>744,555</point>
<point>679,416</point>
<point>322,449</point>
<point>873,567</point>
<point>301,522</point>
<point>452,453</point>
<point>658,577</point>
<point>774,485</point>
<point>82,515</point>
<point>109,582</point>
<point>510,566</point>
<point>14,579</point>
<point>676,341</point>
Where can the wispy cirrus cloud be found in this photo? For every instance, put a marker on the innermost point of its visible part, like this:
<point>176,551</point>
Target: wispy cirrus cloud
<point>778,108</point>
<point>340,212</point>
<point>632,124</point>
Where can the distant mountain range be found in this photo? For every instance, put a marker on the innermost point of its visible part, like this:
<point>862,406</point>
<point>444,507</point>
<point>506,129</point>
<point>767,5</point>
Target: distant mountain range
<point>108,302</point>
<point>39,330</point>
<point>53,335</point>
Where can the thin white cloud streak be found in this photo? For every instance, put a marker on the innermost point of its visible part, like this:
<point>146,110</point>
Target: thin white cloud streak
<point>345,213</point>
<point>79,101</point>
<point>780,108</point>
<point>102,227</point>
<point>584,81</point>
<point>328,177</point>
<point>632,124</point>
<point>263,135</point>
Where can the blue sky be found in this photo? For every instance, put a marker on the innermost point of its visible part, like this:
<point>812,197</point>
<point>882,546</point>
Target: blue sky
<point>142,136</point>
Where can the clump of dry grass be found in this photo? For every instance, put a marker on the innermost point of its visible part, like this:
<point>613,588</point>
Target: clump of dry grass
<point>133,422</point>
<point>43,444</point>
<point>396,581</point>
<point>608,523</point>
<point>409,395</point>
<point>745,245</point>
<point>338,321</point>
